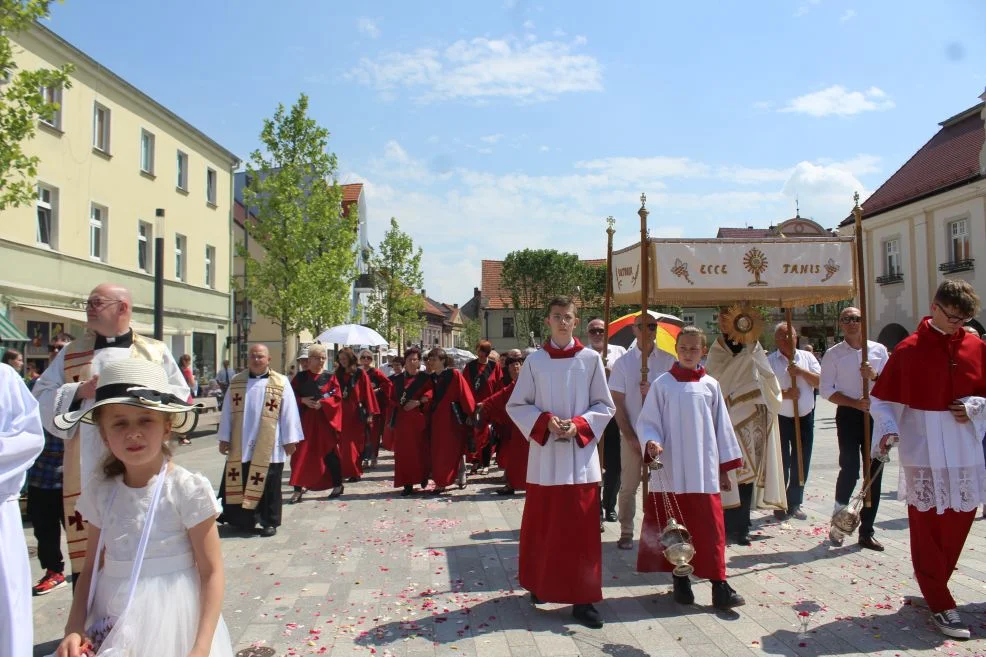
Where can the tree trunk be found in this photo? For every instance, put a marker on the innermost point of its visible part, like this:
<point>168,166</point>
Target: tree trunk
<point>284,348</point>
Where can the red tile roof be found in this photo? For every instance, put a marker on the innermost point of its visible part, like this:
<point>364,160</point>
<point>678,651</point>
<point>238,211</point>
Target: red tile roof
<point>494,294</point>
<point>350,195</point>
<point>432,309</point>
<point>743,233</point>
<point>949,159</point>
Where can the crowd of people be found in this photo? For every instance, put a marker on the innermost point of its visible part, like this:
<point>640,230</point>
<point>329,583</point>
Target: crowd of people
<point>713,431</point>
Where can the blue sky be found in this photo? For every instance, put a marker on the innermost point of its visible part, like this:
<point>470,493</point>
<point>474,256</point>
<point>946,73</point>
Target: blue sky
<point>489,127</point>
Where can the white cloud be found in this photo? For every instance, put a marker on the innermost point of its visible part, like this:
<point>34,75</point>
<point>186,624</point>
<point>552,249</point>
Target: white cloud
<point>544,149</point>
<point>753,176</point>
<point>840,101</point>
<point>847,15</point>
<point>559,33</point>
<point>482,69</point>
<point>368,27</point>
<point>806,6</point>
<point>528,24</point>
<point>637,169</point>
<point>491,139</point>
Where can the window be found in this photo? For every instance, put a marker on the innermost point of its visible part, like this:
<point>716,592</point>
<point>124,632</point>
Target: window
<point>144,241</point>
<point>210,266</point>
<point>180,257</point>
<point>892,262</point>
<point>183,171</point>
<point>508,327</point>
<point>47,206</point>
<point>101,128</point>
<point>147,152</point>
<point>688,319</point>
<point>53,96</point>
<point>97,231</point>
<point>210,186</point>
<point>959,240</point>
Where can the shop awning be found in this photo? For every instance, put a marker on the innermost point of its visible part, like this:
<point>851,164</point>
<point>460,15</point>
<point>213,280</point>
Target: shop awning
<point>78,316</point>
<point>9,332</point>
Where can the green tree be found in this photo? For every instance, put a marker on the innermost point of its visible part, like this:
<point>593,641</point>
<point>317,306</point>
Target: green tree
<point>303,281</point>
<point>472,332</point>
<point>533,277</point>
<point>396,269</point>
<point>22,103</point>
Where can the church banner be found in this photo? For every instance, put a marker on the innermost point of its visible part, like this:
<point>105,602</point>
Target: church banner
<point>775,272</point>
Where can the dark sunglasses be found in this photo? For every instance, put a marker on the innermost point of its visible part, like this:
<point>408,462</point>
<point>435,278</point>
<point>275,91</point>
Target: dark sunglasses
<point>851,319</point>
<point>596,331</point>
<point>650,327</point>
<point>366,357</point>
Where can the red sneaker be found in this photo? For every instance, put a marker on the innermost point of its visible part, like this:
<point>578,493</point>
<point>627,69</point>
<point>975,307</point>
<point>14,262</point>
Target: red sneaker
<point>49,583</point>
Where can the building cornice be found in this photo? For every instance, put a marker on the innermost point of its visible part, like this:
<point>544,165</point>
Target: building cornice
<point>905,212</point>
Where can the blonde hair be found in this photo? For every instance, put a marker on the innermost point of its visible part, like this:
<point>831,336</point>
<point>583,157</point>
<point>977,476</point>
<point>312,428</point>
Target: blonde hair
<point>692,330</point>
<point>112,466</point>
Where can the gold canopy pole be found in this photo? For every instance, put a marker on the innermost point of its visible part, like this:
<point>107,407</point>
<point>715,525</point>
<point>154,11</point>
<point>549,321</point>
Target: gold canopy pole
<point>644,292</point>
<point>610,222</point>
<point>794,401</point>
<point>861,291</point>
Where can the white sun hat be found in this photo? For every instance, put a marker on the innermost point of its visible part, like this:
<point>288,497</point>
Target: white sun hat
<point>136,382</point>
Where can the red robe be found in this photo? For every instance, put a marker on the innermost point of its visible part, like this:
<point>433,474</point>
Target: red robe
<point>409,429</point>
<point>387,439</point>
<point>514,448</point>
<point>483,381</point>
<point>382,385</point>
<point>321,428</point>
<point>356,393</point>
<point>448,435</point>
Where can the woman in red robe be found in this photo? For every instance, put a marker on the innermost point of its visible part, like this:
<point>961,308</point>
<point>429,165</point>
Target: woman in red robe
<point>359,405</point>
<point>451,405</point>
<point>396,364</point>
<point>483,376</point>
<point>381,387</point>
<point>513,448</point>
<point>315,464</point>
<point>410,398</point>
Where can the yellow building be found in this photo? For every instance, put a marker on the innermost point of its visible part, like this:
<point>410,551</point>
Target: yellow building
<point>113,160</point>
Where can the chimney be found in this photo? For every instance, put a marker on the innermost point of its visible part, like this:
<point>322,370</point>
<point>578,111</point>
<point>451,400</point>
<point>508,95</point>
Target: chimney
<point>424,292</point>
<point>455,305</point>
<point>982,151</point>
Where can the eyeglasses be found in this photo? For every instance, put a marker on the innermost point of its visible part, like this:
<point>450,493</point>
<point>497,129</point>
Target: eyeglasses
<point>366,357</point>
<point>952,319</point>
<point>562,319</point>
<point>650,327</point>
<point>851,319</point>
<point>98,304</point>
<point>596,331</point>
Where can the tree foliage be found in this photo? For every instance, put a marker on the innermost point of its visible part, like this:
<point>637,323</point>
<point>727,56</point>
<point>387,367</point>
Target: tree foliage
<point>472,332</point>
<point>396,269</point>
<point>22,103</point>
<point>533,277</point>
<point>303,280</point>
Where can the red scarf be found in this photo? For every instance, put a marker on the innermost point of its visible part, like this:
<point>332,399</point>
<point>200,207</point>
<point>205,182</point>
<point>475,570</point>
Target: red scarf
<point>682,375</point>
<point>567,352</point>
<point>928,370</point>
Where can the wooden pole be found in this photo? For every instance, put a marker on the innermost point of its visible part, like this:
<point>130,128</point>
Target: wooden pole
<point>861,291</point>
<point>644,293</point>
<point>608,300</point>
<point>794,401</point>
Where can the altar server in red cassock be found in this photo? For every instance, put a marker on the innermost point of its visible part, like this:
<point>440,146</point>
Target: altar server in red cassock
<point>409,400</point>
<point>451,405</point>
<point>387,440</point>
<point>483,376</point>
<point>513,449</point>
<point>381,387</point>
<point>561,403</point>
<point>685,423</point>
<point>932,396</point>
<point>359,405</point>
<point>315,464</point>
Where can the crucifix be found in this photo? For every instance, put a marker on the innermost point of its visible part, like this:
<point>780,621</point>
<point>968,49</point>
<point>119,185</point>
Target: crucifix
<point>257,478</point>
<point>237,399</point>
<point>272,405</point>
<point>234,474</point>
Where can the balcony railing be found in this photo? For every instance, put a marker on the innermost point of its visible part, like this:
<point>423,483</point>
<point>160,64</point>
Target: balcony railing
<point>891,278</point>
<point>957,266</point>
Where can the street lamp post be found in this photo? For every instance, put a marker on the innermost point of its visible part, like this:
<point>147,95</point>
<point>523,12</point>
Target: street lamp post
<point>159,275</point>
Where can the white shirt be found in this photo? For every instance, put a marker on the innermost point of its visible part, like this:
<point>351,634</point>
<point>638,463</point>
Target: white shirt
<point>625,377</point>
<point>840,369</point>
<point>568,388</point>
<point>613,353</point>
<point>288,425</point>
<point>21,438</point>
<point>806,361</point>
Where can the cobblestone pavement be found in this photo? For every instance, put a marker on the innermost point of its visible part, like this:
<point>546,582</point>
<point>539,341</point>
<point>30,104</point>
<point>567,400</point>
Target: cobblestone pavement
<point>374,573</point>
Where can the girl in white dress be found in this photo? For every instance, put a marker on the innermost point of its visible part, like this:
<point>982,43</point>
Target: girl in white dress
<point>153,578</point>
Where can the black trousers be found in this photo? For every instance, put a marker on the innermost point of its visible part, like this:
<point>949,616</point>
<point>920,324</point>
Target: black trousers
<point>45,510</point>
<point>849,426</point>
<point>789,455</point>
<point>611,462</point>
<point>268,511</point>
<point>737,521</point>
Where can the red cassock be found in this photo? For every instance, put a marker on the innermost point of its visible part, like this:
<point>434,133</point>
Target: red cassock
<point>358,400</point>
<point>483,381</point>
<point>451,404</point>
<point>409,429</point>
<point>514,448</point>
<point>382,385</point>
<point>704,512</point>
<point>387,439</point>
<point>321,427</point>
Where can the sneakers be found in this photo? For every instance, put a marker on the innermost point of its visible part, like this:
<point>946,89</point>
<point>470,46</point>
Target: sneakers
<point>49,583</point>
<point>950,624</point>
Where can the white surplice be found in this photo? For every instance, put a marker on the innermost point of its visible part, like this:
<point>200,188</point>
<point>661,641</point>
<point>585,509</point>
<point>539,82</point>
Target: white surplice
<point>288,425</point>
<point>567,388</point>
<point>690,421</point>
<point>21,440</point>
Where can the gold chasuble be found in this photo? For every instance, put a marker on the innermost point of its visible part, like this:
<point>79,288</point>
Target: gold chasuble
<point>249,495</point>
<point>78,368</point>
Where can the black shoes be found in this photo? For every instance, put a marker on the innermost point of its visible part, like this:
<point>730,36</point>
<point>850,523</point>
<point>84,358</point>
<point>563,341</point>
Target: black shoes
<point>870,543</point>
<point>742,539</point>
<point>682,591</point>
<point>408,491</point>
<point>534,599</point>
<point>267,532</point>
<point>296,497</point>
<point>353,480</point>
<point>337,491</point>
<point>588,616</point>
<point>611,516</point>
<point>506,490</point>
<point>724,597</point>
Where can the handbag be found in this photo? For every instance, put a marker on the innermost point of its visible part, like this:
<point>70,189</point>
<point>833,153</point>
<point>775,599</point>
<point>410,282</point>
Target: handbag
<point>97,632</point>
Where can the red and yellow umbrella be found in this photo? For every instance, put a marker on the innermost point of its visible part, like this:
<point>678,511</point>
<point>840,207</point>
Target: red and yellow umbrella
<point>668,328</point>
